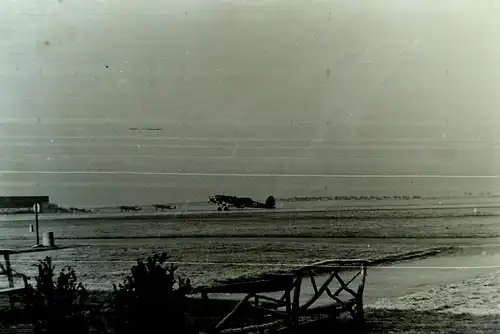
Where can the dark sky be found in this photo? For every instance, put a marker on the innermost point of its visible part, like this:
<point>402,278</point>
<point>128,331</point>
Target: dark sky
<point>394,87</point>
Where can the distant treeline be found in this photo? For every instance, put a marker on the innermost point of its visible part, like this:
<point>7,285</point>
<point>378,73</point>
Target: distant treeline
<point>350,198</point>
<point>344,198</point>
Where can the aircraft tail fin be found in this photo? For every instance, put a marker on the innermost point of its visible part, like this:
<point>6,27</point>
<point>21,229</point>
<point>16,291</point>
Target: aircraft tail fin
<point>270,202</point>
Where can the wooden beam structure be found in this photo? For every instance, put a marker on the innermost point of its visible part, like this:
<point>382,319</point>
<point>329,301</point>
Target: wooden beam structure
<point>258,312</point>
<point>11,274</point>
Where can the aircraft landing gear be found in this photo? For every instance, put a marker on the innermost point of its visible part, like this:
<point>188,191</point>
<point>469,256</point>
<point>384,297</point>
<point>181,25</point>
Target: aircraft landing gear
<point>223,207</point>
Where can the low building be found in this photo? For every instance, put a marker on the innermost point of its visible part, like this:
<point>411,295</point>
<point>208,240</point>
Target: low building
<point>23,203</point>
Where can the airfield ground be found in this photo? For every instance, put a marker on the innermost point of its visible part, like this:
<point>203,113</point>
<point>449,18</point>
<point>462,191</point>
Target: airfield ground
<point>224,245</point>
<point>469,306</point>
<point>213,247</point>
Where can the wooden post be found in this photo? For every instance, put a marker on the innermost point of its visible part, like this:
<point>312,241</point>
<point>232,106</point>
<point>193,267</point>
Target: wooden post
<point>259,316</point>
<point>8,270</point>
<point>36,207</point>
<point>296,299</point>
<point>313,281</point>
<point>288,301</point>
<point>360,312</point>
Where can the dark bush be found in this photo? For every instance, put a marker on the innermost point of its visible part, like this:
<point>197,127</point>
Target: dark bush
<point>151,300</point>
<point>56,305</point>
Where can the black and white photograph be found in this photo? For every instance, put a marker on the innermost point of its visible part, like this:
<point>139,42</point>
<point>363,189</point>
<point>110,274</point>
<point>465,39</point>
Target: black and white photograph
<point>249,166</point>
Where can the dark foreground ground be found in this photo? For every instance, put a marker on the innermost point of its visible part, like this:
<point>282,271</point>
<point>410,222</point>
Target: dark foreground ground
<point>379,320</point>
<point>386,321</point>
<point>410,321</point>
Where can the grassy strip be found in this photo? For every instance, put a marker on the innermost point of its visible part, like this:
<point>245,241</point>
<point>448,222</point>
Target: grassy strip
<point>419,254</point>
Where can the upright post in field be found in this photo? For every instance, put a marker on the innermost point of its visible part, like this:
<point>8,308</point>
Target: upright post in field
<point>36,208</point>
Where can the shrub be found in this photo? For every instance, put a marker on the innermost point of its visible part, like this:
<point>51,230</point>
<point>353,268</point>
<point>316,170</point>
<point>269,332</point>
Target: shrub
<point>151,300</point>
<point>56,305</point>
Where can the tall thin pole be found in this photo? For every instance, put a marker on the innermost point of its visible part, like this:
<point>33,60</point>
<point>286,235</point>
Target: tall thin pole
<point>36,222</point>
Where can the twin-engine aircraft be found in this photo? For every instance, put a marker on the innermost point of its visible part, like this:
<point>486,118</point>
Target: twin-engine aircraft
<point>224,202</point>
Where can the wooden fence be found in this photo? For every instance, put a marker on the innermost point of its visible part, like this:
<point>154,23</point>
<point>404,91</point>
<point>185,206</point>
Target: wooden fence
<point>11,274</point>
<point>281,308</point>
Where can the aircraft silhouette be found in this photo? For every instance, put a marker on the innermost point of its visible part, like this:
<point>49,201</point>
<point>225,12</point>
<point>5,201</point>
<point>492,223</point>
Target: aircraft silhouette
<point>224,201</point>
<point>130,208</point>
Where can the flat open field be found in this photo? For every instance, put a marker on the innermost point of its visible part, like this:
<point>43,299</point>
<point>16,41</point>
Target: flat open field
<point>407,223</point>
<point>219,247</point>
<point>103,262</point>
